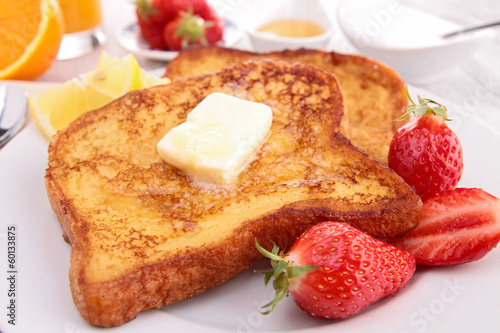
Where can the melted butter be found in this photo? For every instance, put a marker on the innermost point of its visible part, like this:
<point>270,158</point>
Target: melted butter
<point>292,28</point>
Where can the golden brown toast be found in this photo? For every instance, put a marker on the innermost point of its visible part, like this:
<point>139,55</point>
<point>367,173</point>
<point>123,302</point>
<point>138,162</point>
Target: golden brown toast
<point>374,94</point>
<point>145,235</point>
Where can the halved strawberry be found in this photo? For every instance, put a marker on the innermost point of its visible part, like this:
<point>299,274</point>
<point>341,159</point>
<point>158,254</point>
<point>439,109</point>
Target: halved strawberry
<point>334,271</point>
<point>456,227</point>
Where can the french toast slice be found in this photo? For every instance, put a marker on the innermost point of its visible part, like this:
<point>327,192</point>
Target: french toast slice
<point>374,94</point>
<point>145,235</point>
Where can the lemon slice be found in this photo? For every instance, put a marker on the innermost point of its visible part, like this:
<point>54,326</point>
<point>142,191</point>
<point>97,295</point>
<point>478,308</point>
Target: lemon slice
<point>114,77</point>
<point>148,80</point>
<point>106,62</point>
<point>55,108</point>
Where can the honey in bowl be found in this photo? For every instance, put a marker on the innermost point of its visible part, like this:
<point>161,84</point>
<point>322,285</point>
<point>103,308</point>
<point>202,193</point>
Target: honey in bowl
<point>294,28</point>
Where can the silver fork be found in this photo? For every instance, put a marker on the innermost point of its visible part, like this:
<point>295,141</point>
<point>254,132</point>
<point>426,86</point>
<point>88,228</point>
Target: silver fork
<point>13,111</point>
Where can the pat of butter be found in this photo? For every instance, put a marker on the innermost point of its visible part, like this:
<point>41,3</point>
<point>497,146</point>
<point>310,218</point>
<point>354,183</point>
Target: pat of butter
<point>219,136</point>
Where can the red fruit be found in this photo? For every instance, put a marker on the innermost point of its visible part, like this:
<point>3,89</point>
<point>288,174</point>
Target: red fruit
<point>152,11</point>
<point>214,31</point>
<point>185,30</point>
<point>425,152</point>
<point>456,227</point>
<point>172,8</point>
<point>153,33</point>
<point>154,15</point>
<point>334,271</point>
<point>188,29</point>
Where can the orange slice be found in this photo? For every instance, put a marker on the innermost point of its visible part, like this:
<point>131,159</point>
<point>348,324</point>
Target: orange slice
<point>30,35</point>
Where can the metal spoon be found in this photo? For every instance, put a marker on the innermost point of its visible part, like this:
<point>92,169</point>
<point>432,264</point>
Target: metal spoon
<point>13,111</point>
<point>463,31</point>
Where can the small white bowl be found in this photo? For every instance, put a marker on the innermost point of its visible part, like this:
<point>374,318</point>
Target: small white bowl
<point>407,39</point>
<point>311,10</point>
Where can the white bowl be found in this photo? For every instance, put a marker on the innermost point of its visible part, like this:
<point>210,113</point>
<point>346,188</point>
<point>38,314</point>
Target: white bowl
<point>311,10</point>
<point>407,39</point>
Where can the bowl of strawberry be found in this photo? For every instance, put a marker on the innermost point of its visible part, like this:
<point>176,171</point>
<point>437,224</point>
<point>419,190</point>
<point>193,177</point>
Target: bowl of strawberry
<point>171,25</point>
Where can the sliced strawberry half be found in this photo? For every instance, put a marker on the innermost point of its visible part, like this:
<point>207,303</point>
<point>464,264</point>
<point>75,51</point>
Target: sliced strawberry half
<point>456,227</point>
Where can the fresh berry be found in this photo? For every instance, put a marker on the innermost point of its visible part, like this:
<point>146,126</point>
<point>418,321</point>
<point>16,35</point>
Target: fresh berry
<point>456,227</point>
<point>152,11</point>
<point>172,8</point>
<point>187,29</point>
<point>334,271</point>
<point>153,33</point>
<point>214,32</point>
<point>426,153</point>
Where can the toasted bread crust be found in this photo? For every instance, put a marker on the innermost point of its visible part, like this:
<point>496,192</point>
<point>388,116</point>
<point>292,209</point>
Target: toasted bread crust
<point>374,94</point>
<point>145,235</point>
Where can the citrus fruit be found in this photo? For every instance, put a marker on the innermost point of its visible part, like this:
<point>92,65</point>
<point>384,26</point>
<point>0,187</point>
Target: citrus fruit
<point>59,105</point>
<point>55,108</point>
<point>146,79</point>
<point>108,79</point>
<point>30,36</point>
<point>113,76</point>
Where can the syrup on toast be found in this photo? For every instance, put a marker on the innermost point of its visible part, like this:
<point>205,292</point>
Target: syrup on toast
<point>374,94</point>
<point>145,235</point>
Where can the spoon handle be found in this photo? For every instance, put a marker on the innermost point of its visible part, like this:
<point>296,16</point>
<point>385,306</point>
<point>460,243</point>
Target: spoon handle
<point>458,32</point>
<point>13,111</point>
<point>3,96</point>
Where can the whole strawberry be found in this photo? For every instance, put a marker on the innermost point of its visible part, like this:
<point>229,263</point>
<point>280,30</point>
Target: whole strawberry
<point>214,32</point>
<point>153,12</point>
<point>334,271</point>
<point>172,8</point>
<point>152,33</point>
<point>185,30</point>
<point>456,227</point>
<point>426,153</point>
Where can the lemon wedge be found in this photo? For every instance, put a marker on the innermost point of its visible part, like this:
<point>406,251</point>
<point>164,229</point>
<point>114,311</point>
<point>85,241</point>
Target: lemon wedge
<point>114,77</point>
<point>55,108</point>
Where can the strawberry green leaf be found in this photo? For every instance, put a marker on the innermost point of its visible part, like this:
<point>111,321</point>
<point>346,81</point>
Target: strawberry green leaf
<point>280,268</point>
<point>441,110</point>
<point>268,254</point>
<point>275,249</point>
<point>409,97</point>
<point>282,272</point>
<point>295,271</point>
<point>191,28</point>
<point>423,108</point>
<point>279,297</point>
<point>267,276</point>
<point>421,100</point>
<point>420,110</point>
<point>144,9</point>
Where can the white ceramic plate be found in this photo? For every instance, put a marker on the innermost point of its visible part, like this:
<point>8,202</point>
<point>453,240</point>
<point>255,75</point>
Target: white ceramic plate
<point>129,37</point>
<point>452,299</point>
